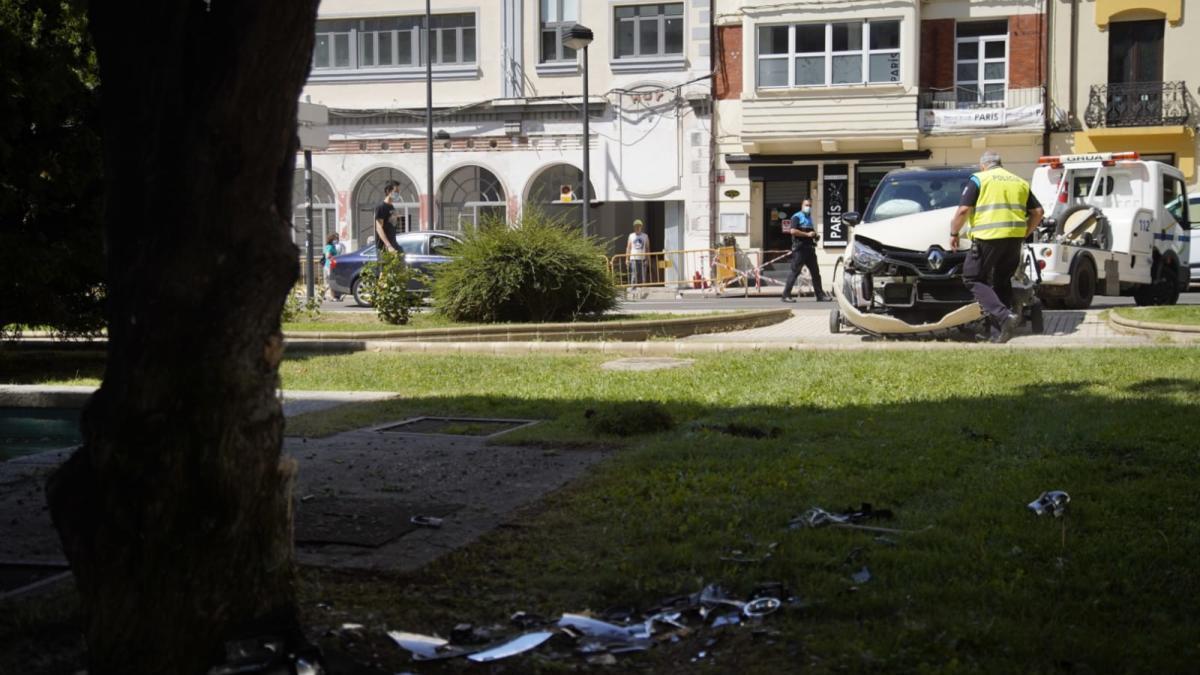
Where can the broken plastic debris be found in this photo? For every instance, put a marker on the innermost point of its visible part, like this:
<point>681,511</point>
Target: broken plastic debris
<point>595,628</point>
<point>267,654</point>
<point>850,519</point>
<point>816,517</point>
<point>426,521</point>
<point>761,607</point>
<point>715,595</point>
<point>513,647</point>
<point>731,619</point>
<point>425,647</point>
<point>862,576</point>
<point>1053,502</point>
<point>819,517</point>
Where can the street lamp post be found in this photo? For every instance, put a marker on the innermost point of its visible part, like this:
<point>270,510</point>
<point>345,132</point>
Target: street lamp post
<point>578,37</point>
<point>428,118</point>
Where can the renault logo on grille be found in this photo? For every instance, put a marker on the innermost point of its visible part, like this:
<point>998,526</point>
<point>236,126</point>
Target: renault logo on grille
<point>935,258</point>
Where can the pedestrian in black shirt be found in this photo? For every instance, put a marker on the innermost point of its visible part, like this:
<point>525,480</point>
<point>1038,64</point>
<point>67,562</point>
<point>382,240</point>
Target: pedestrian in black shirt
<point>385,216</point>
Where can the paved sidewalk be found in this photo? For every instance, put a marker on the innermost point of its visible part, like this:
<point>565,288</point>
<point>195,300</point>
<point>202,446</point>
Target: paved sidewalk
<point>347,479</point>
<point>810,325</point>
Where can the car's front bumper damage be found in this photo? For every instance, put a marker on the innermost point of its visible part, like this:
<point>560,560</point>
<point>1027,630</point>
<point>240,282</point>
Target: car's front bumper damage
<point>897,292</point>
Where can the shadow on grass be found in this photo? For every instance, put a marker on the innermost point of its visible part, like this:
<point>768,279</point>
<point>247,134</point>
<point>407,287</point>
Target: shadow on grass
<point>989,587</point>
<point>1166,385</point>
<point>21,366</point>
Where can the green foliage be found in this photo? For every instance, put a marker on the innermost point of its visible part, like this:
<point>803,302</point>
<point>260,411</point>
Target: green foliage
<point>540,270</point>
<point>386,282</point>
<point>298,307</point>
<point>1181,314</point>
<point>51,189</point>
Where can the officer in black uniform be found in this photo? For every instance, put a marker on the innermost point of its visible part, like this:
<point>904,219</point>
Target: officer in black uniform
<point>804,252</point>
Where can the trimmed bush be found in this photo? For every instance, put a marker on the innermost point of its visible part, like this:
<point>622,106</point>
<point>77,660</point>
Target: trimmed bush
<point>540,270</point>
<point>386,282</point>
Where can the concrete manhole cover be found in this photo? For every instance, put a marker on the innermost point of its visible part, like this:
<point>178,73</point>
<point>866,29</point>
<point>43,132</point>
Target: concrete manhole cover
<point>457,426</point>
<point>366,523</point>
<point>644,363</point>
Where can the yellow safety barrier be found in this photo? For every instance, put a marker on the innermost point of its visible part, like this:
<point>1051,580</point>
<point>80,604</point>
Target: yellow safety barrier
<point>713,270</point>
<point>687,268</point>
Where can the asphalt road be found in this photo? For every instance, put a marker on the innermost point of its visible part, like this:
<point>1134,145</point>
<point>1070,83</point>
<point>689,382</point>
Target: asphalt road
<point>701,304</point>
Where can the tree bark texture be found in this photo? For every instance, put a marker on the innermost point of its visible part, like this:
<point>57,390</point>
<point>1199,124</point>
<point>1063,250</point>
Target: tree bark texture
<point>176,512</point>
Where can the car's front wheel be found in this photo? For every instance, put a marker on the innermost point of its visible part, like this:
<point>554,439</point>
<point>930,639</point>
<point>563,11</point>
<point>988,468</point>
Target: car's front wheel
<point>361,297</point>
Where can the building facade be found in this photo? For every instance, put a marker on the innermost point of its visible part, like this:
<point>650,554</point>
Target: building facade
<point>820,99</point>
<point>1123,77</point>
<point>507,101</point>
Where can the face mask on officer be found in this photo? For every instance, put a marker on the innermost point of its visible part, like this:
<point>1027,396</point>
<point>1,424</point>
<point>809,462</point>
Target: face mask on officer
<point>806,210</point>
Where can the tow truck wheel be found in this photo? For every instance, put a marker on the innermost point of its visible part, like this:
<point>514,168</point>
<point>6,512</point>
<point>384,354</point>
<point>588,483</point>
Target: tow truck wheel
<point>835,321</point>
<point>1037,321</point>
<point>1170,294</point>
<point>1083,286</point>
<point>1162,291</point>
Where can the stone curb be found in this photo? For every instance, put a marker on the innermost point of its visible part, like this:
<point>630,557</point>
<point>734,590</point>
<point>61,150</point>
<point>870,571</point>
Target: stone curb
<point>593,330</point>
<point>1116,320</point>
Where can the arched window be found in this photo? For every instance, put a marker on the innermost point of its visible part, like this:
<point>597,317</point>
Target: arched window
<point>324,210</point>
<point>369,194</point>
<point>469,196</point>
<point>557,191</point>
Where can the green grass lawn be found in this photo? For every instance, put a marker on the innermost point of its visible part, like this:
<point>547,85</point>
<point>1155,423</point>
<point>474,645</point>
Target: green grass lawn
<point>364,321</point>
<point>1188,315</point>
<point>959,441</point>
<point>956,441</point>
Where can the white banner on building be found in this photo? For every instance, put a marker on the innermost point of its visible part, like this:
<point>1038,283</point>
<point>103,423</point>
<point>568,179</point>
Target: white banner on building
<point>1025,116</point>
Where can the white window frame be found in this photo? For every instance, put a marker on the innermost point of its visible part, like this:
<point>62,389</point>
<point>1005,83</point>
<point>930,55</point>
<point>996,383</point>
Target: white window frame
<point>440,33</point>
<point>414,47</point>
<point>981,62</point>
<point>558,26</point>
<point>661,19</point>
<point>865,52</point>
<point>356,71</point>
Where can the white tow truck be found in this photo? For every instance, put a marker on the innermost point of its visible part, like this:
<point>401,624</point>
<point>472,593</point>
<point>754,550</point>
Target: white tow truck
<point>1115,225</point>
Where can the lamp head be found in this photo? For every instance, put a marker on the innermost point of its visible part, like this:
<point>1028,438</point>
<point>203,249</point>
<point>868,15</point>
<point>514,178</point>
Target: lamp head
<point>577,37</point>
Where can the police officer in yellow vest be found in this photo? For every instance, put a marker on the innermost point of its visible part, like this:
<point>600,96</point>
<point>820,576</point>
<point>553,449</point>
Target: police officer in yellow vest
<point>1000,212</point>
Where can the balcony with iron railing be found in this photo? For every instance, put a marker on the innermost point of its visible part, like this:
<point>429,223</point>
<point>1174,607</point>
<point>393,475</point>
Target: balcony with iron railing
<point>964,109</point>
<point>1140,104</point>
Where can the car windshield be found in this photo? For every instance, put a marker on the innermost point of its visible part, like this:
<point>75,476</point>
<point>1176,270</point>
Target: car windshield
<point>909,192</point>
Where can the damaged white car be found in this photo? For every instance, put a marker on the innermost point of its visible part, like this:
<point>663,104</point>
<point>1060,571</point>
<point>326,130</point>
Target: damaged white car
<point>899,275</point>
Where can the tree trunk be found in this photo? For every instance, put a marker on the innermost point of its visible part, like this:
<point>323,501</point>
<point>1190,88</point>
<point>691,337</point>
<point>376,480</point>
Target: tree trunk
<point>176,512</point>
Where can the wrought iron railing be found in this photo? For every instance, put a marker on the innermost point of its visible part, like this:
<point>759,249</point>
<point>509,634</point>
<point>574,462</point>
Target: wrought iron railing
<point>1139,104</point>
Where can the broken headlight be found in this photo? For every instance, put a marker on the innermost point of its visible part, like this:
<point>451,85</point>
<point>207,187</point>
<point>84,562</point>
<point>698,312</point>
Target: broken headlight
<point>866,258</point>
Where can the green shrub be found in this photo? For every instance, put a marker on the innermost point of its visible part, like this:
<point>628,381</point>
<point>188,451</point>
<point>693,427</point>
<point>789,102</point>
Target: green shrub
<point>540,270</point>
<point>386,282</point>
<point>298,306</point>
